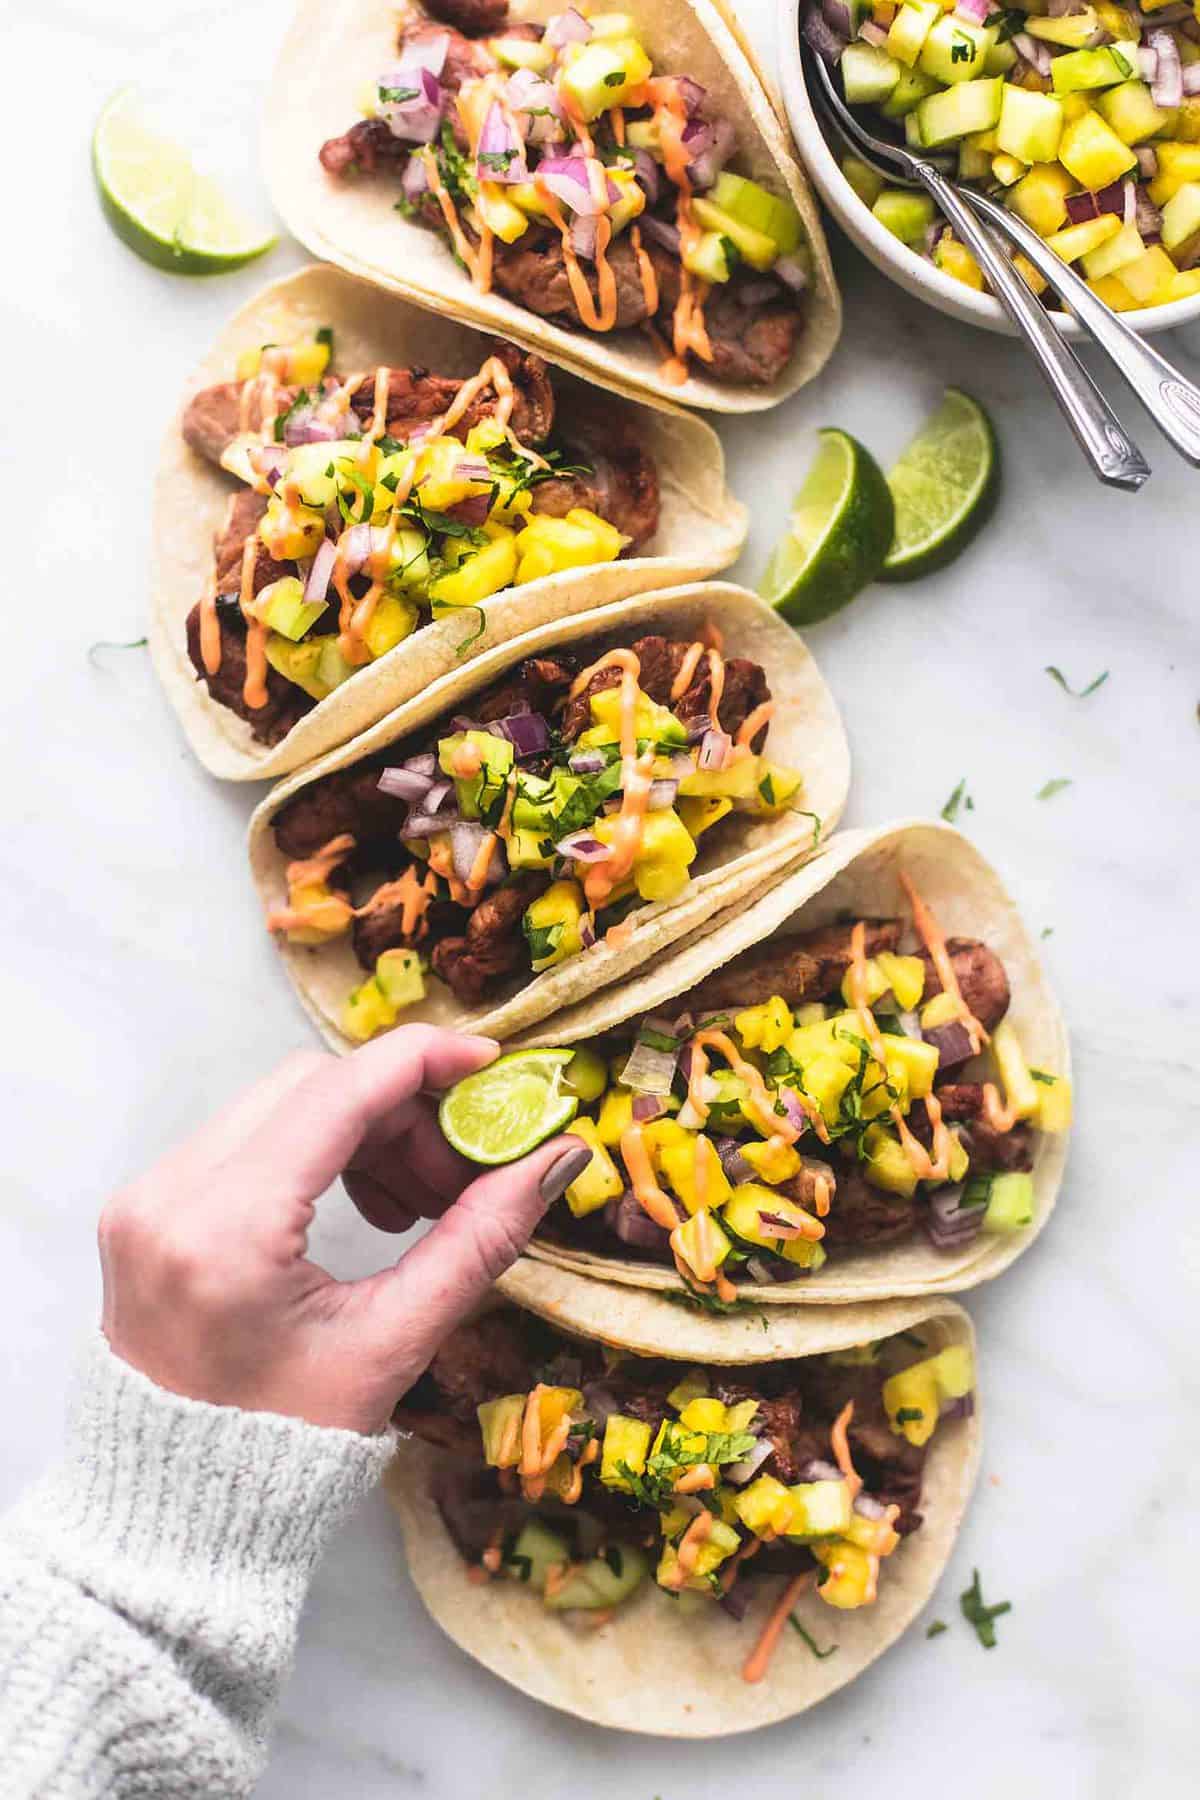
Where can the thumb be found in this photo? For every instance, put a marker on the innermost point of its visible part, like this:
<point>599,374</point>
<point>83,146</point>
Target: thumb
<point>409,1310</point>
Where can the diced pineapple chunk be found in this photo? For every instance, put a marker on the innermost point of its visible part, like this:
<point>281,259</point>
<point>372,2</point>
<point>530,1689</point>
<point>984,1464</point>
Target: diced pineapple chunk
<point>600,1182</point>
<point>1149,276</point>
<point>626,1441</point>
<point>1077,240</point>
<point>1040,198</point>
<point>1093,153</point>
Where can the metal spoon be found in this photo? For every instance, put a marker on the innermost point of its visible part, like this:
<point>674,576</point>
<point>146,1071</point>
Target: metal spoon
<point>1114,456</point>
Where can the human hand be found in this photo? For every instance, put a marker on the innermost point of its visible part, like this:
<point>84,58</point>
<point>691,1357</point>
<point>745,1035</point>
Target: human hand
<point>207,1286</point>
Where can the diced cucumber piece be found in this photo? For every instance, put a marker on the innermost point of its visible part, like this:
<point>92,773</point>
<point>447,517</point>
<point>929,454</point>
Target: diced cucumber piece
<point>524,53</point>
<point>955,50</point>
<point>868,74</point>
<point>912,132</point>
<point>909,29</point>
<point>1181,221</point>
<point>973,164</point>
<point>752,204</point>
<point>866,181</point>
<point>1000,59</point>
<point>759,250</point>
<point>1009,1201</point>
<point>911,87</point>
<point>1031,125</point>
<point>601,1583</point>
<point>401,982</point>
<point>644,134</point>
<point>1071,32</point>
<point>906,215</point>
<point>536,1551</point>
<point>1007,169</point>
<point>972,106</point>
<point>709,257</point>
<point>1119,250</point>
<point>1131,111</point>
<point>1078,70</point>
<point>284,609</point>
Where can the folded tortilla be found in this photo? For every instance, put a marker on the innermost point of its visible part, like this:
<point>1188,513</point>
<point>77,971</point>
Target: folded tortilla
<point>806,734</point>
<point>652,1670</point>
<point>335,47</point>
<point>701,528</point>
<point>855,875</point>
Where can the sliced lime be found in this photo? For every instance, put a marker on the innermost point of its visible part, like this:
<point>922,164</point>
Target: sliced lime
<point>504,1111</point>
<point>944,487</point>
<point>838,535</point>
<point>157,203</point>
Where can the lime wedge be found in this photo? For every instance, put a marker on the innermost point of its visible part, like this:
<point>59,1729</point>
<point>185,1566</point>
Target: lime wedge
<point>838,535</point>
<point>504,1111</point>
<point>944,487</point>
<point>157,203</point>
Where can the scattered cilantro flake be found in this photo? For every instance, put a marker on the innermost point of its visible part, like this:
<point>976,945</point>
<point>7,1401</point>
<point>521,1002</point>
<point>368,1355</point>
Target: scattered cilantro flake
<point>1097,681</point>
<point>464,644</point>
<point>1047,931</point>
<point>937,1628</point>
<point>111,644</point>
<point>1041,1075</point>
<point>1048,790</point>
<point>957,799</point>
<point>820,1655</point>
<point>980,1615</point>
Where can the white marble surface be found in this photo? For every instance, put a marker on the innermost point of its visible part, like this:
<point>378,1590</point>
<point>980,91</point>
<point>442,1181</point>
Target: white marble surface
<point>140,991</point>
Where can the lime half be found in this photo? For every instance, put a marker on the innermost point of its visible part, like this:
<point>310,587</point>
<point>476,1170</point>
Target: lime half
<point>157,203</point>
<point>944,487</point>
<point>504,1111</point>
<point>838,535</point>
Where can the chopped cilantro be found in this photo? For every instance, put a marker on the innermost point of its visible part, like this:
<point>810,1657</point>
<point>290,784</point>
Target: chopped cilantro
<point>614,1559</point>
<point>982,1617</point>
<point>958,798</point>
<point>1048,790</point>
<point>1041,1075</point>
<point>464,644</point>
<point>766,788</point>
<point>496,159</point>
<point>615,79</point>
<point>820,1655</point>
<point>1076,693</point>
<point>523,1566</point>
<point>542,939</point>
<point>937,1628</point>
<point>909,1415</point>
<point>396,96</point>
<point>657,1040</point>
<point>109,644</point>
<point>303,399</point>
<point>1047,931</point>
<point>324,335</point>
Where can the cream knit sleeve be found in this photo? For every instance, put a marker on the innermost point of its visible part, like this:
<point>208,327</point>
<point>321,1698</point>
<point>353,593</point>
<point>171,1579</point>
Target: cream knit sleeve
<point>150,1589</point>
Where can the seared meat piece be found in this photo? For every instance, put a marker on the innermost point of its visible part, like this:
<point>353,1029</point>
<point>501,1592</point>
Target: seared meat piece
<point>367,146</point>
<point>960,1100</point>
<point>803,1186</point>
<point>415,396</point>
<point>474,18</point>
<point>210,419</point>
<point>995,1152</point>
<point>980,975</point>
<point>535,404</point>
<point>481,1360</point>
<point>864,1217</point>
<point>750,344</point>
<point>493,944</point>
<point>890,1466</point>
<point>379,924</point>
<point>745,688</point>
<point>794,1442</point>
<point>347,801</point>
<point>809,966</point>
<point>661,659</point>
<point>538,683</point>
<point>533,272</point>
<point>246,508</point>
<point>622,486</point>
<point>285,703</point>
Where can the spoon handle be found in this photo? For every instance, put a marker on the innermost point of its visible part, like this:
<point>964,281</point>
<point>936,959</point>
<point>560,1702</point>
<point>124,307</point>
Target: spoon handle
<point>1114,456</point>
<point>1172,401</point>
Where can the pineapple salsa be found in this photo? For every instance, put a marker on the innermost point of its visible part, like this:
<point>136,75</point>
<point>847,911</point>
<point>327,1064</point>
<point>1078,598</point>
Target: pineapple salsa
<point>1082,116</point>
<point>811,1099</point>
<point>602,1468</point>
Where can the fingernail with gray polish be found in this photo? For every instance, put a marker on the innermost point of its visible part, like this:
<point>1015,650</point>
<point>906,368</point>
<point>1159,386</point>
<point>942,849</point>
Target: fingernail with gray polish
<point>561,1174</point>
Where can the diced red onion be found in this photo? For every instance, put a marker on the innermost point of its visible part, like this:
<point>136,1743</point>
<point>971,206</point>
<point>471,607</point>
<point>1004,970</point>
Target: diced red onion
<point>661,795</point>
<point>1034,52</point>
<point>646,1107</point>
<point>583,237</point>
<point>461,722</point>
<point>1080,207</point>
<point>876,36</point>
<point>466,837</point>
<point>416,120</point>
<point>268,460</point>
<point>1128,202</point>
<point>527,732</point>
<point>404,784</point>
<point>791,271</point>
<point>816,1470</point>
<point>582,847</point>
<point>691,93</point>
<point>735,1601</point>
<point>645,171</point>
<point>817,32</point>
<point>734,1164</point>
<point>649,1071</point>
<point>716,748</point>
<point>868,1507</point>
<point>359,543</point>
<point>317,585</point>
<point>431,819</point>
<point>797,1117</point>
<point>683,1025</point>
<point>837,16</point>
<point>628,1218</point>
<point>961,1408</point>
<point>586,762</point>
<point>660,232</point>
<point>471,511</point>
<point>424,764</point>
<point>304,427</point>
<point>537,100</point>
<point>567,179</point>
<point>1147,155</point>
<point>1191,79</point>
<point>1146,216</point>
<point>1168,81</point>
<point>909,1024</point>
<point>952,1042</point>
<point>498,156</point>
<point>756,293</point>
<point>427,52</point>
<point>778,1226</point>
<point>587,930</point>
<point>1147,62</point>
<point>706,164</point>
<point>568,27</point>
<point>415,180</point>
<point>739,1473</point>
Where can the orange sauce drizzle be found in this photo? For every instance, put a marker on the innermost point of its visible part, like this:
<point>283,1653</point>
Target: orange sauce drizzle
<point>538,1457</point>
<point>695,1479</point>
<point>254,688</point>
<point>599,314</point>
<point>935,943</point>
<point>689,1548</point>
<point>688,331</point>
<point>841,1449</point>
<point>210,634</point>
<point>646,1190</point>
<point>759,1659</point>
<point>413,891</point>
<point>753,723</point>
<point>314,871</point>
<point>478,262</point>
<point>687,670</point>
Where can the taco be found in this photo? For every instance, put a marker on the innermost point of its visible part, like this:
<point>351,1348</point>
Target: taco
<point>627,1529</point>
<point>856,1087</point>
<point>396,493</point>
<point>615,189</point>
<point>551,817</point>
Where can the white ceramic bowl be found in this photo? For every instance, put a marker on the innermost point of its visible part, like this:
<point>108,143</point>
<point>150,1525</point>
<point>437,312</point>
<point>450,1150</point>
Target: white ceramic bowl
<point>904,266</point>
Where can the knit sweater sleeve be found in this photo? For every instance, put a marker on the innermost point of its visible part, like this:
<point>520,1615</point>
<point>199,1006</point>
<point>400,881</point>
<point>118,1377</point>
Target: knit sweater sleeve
<point>150,1589</point>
